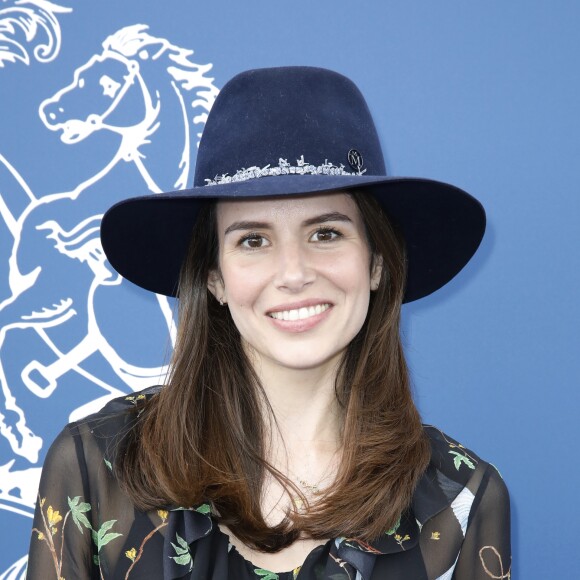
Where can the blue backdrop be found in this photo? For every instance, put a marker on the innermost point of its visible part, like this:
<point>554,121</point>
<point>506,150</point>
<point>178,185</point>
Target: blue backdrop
<point>482,94</point>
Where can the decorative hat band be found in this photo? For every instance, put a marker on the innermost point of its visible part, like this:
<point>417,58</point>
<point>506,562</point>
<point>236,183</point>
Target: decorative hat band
<point>285,168</point>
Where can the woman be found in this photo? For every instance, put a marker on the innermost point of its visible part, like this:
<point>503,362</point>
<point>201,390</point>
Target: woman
<point>286,443</point>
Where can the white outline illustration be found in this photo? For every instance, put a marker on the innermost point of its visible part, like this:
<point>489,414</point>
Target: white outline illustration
<point>22,22</point>
<point>147,92</point>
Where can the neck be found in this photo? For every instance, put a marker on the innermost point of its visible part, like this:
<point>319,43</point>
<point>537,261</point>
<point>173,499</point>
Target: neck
<point>303,401</point>
<point>303,437</point>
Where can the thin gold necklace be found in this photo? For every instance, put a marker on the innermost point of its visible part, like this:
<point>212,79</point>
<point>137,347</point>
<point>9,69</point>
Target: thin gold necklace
<point>310,488</point>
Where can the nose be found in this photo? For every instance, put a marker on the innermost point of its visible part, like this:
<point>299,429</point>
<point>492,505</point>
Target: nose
<point>52,112</point>
<point>294,270</point>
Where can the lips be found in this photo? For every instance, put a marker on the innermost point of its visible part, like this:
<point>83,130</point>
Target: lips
<point>297,317</point>
<point>301,313</point>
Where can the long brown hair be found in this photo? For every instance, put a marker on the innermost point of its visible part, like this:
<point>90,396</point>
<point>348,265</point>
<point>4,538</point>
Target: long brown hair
<point>201,438</point>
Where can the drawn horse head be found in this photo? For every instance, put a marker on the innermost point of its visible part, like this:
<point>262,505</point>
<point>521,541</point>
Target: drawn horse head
<point>132,88</point>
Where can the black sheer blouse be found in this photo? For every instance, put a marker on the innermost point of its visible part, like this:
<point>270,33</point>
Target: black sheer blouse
<point>458,526</point>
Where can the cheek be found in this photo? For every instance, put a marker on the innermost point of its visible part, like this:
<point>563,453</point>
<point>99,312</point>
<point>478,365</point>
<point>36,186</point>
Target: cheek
<point>243,287</point>
<point>351,275</point>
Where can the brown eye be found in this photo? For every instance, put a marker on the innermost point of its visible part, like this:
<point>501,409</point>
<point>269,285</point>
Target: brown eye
<point>253,242</point>
<point>325,235</point>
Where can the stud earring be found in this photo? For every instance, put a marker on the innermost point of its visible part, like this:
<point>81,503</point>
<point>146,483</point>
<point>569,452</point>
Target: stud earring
<point>221,301</point>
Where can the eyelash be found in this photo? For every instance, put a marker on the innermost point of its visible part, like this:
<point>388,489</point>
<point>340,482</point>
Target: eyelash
<point>321,230</point>
<point>327,230</point>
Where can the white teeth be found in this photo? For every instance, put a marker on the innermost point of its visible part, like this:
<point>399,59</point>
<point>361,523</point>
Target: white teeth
<point>300,313</point>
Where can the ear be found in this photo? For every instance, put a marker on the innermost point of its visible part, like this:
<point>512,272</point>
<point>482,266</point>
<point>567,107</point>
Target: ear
<point>215,285</point>
<point>376,271</point>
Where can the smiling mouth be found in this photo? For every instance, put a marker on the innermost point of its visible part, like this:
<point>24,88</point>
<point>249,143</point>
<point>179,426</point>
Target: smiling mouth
<point>299,313</point>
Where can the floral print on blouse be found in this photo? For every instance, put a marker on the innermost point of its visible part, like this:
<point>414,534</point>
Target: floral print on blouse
<point>457,527</point>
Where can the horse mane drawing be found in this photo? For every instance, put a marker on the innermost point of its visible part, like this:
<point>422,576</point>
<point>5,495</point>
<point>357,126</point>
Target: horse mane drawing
<point>134,40</point>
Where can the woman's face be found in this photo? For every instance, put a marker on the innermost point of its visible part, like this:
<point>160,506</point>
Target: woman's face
<point>295,273</point>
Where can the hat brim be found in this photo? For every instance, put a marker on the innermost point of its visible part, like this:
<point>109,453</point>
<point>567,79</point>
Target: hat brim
<point>146,238</point>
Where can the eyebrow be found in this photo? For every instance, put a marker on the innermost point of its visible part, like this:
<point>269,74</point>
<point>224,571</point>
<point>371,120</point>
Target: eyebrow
<point>333,216</point>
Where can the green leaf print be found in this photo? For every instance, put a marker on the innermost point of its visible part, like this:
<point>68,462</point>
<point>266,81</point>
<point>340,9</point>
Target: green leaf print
<point>183,548</point>
<point>460,458</point>
<point>394,528</point>
<point>108,464</point>
<point>183,560</point>
<point>203,509</point>
<point>183,555</point>
<point>101,538</point>
<point>266,574</point>
<point>78,510</point>
<point>181,541</point>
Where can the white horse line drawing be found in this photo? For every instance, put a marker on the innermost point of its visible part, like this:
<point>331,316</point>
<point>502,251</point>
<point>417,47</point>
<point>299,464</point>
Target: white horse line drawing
<point>130,66</point>
<point>121,47</point>
<point>29,17</point>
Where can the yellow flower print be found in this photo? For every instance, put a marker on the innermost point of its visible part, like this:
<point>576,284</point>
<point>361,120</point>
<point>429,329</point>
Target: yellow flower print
<point>40,536</point>
<point>435,535</point>
<point>131,554</point>
<point>400,539</point>
<point>134,398</point>
<point>295,572</point>
<point>53,516</point>
<point>163,514</point>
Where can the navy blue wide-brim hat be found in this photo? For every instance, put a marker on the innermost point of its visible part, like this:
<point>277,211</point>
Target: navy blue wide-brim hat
<point>293,131</point>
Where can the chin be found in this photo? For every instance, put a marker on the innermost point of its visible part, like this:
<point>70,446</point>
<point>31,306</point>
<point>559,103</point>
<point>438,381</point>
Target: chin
<point>304,360</point>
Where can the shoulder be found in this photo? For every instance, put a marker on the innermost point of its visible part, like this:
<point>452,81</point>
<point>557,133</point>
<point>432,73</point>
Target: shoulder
<point>456,477</point>
<point>455,461</point>
<point>76,458</point>
<point>450,456</point>
<point>123,404</point>
<point>119,407</point>
<point>100,433</point>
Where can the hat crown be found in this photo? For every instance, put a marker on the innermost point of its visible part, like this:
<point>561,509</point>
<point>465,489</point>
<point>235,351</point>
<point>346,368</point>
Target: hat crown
<point>297,114</point>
